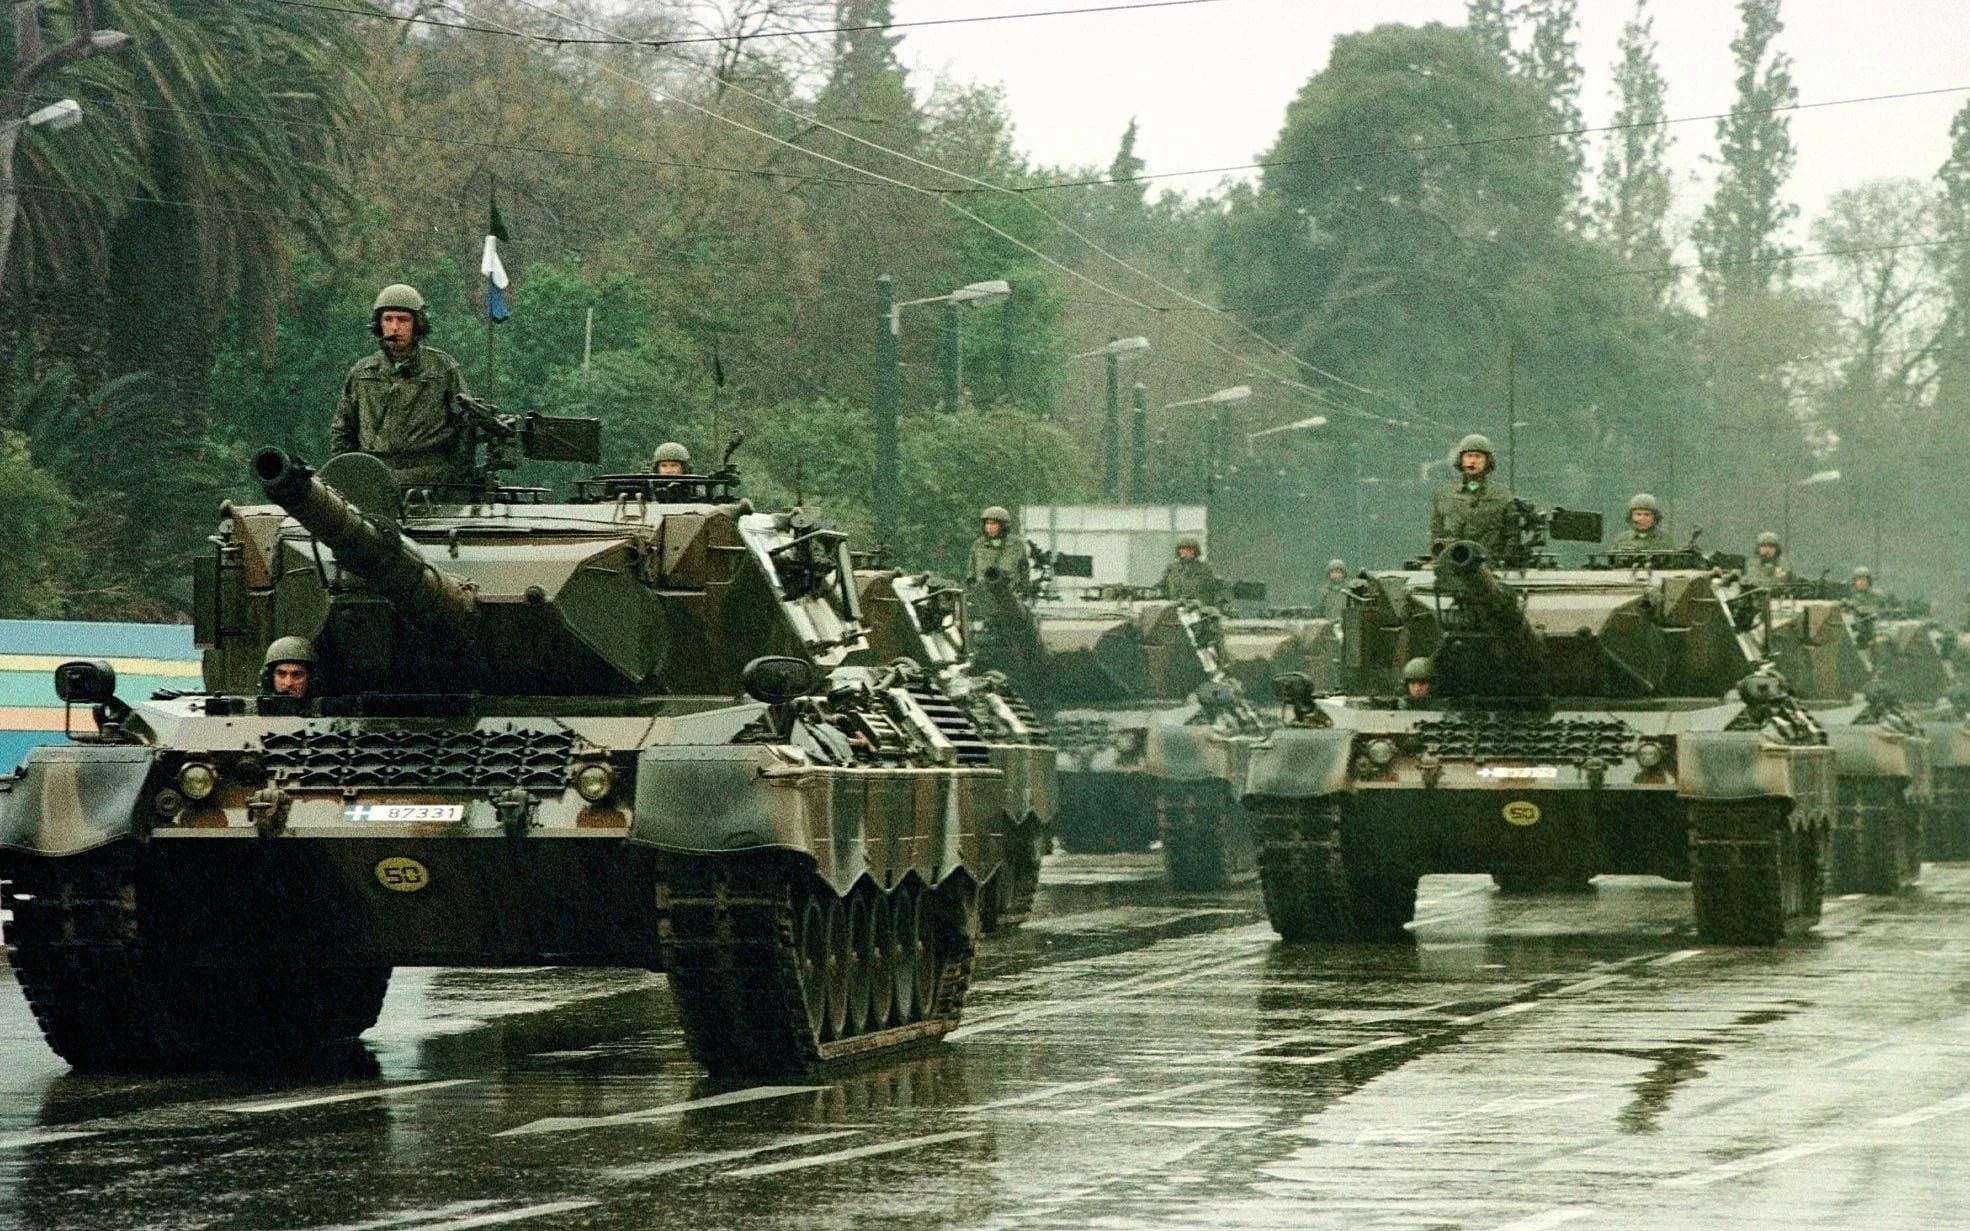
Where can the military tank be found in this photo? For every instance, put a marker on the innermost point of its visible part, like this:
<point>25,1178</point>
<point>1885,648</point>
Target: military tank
<point>917,622</point>
<point>1581,721</point>
<point>615,729</point>
<point>1884,775</point>
<point>1913,659</point>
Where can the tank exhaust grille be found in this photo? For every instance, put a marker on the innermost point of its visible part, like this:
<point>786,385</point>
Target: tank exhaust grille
<point>414,759</point>
<point>1507,737</point>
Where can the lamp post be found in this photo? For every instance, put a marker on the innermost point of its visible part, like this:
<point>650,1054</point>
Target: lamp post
<point>1138,441</point>
<point>1217,401</point>
<point>1117,350</point>
<point>888,335</point>
<point>1812,480</point>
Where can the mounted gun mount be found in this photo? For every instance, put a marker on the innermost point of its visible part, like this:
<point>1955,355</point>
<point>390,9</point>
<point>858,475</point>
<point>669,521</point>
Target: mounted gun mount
<point>1579,722</point>
<point>618,730</point>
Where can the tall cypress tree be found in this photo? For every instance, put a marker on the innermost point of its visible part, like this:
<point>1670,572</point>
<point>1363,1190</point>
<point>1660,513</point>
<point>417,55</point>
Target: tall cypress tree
<point>1631,211</point>
<point>1552,61</point>
<point>1737,235</point>
<point>1488,20</point>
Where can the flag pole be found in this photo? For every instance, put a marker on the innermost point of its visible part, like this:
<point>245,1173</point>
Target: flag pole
<point>492,204</point>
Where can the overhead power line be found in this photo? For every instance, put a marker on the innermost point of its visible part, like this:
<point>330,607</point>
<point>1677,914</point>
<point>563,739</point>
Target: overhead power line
<point>682,40</point>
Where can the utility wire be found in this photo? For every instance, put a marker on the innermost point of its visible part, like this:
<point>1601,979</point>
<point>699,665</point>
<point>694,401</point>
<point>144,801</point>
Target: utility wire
<point>662,43</point>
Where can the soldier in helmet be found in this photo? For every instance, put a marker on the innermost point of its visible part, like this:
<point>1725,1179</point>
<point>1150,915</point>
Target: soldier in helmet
<point>289,668</point>
<point>670,459</point>
<point>1862,597</point>
<point>1188,578</point>
<point>999,553</point>
<point>1474,508</point>
<point>401,403</point>
<point>1764,568</point>
<point>1644,532</point>
<point>1333,602</point>
<point>1418,679</point>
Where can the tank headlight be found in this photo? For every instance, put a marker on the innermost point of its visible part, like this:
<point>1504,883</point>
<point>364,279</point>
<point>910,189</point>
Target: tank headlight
<point>1381,751</point>
<point>197,780</point>
<point>1648,755</point>
<point>594,782</point>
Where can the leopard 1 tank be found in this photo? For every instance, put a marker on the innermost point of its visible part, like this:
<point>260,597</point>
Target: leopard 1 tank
<point>616,729</point>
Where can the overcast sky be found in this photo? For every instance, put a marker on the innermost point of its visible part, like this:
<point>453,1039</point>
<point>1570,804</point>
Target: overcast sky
<point>1209,82</point>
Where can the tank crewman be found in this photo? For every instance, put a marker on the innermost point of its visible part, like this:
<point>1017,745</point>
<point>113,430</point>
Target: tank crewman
<point>1188,578</point>
<point>1474,508</point>
<point>1863,598</point>
<point>998,552</point>
<point>1333,603</point>
<point>1764,568</point>
<point>1644,532</point>
<point>670,459</point>
<point>401,402</point>
<point>289,669</point>
<point>1418,679</point>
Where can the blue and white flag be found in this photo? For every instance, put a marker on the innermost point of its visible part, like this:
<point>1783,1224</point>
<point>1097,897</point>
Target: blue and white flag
<point>494,270</point>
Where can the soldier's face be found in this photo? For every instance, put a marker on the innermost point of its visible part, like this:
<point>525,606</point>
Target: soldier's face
<point>1863,583</point>
<point>1474,463</point>
<point>1335,575</point>
<point>1641,519</point>
<point>1186,553</point>
<point>994,527</point>
<point>1418,689</point>
<point>1767,552</point>
<point>291,679</point>
<point>399,329</point>
<point>669,467</point>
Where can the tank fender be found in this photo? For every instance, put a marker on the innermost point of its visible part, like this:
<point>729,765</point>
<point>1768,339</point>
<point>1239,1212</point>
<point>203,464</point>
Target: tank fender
<point>68,799</point>
<point>1178,751</point>
<point>1727,765</point>
<point>1300,763</point>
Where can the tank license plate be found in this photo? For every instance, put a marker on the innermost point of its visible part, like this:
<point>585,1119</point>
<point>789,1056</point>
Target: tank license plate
<point>404,812</point>
<point>1519,773</point>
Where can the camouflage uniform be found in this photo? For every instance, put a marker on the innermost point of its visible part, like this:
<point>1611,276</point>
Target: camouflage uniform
<point>405,411</point>
<point>1476,510</point>
<point>1333,601</point>
<point>1007,554</point>
<point>1191,580</point>
<point>1633,540</point>
<point>1762,572</point>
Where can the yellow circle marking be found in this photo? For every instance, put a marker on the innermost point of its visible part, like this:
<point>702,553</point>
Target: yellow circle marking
<point>1521,812</point>
<point>401,875</point>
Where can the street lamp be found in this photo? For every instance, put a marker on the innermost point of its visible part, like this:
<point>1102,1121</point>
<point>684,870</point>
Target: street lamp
<point>1815,479</point>
<point>887,340</point>
<point>1219,400</point>
<point>1114,352</point>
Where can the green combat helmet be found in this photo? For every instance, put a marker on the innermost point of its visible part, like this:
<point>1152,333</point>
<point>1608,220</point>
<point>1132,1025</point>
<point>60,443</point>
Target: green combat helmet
<point>405,298</point>
<point>1863,573</point>
<point>1337,566</point>
<point>1643,500</point>
<point>1769,538</point>
<point>286,650</point>
<point>1476,442</point>
<point>670,451</point>
<point>1416,670</point>
<point>997,513</point>
<point>1191,541</point>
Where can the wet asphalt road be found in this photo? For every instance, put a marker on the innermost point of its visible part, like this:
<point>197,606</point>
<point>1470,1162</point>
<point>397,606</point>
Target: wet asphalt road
<point>1130,1059</point>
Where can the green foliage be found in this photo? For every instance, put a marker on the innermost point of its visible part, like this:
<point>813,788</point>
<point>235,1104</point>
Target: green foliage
<point>37,520</point>
<point>1738,234</point>
<point>1631,213</point>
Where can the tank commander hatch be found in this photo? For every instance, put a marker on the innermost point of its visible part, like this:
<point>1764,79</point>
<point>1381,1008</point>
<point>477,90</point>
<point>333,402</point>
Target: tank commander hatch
<point>401,402</point>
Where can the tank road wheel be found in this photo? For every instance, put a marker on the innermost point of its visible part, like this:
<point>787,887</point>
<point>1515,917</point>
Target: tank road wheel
<point>774,973</point>
<point>1309,894</point>
<point>924,949</point>
<point>1946,831</point>
<point>1018,878</point>
<point>104,1003</point>
<point>1190,821</point>
<point>1755,878</point>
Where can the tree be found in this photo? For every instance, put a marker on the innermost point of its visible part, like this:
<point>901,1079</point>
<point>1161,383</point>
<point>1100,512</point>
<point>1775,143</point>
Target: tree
<point>37,525</point>
<point>1490,23</point>
<point>1552,62</point>
<point>1631,212</point>
<point>1738,235</point>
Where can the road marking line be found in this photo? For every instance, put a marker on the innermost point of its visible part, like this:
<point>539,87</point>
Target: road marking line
<point>1920,1115</point>
<point>565,1124</point>
<point>1503,1010</point>
<point>844,1156</point>
<point>1043,1094</point>
<point>41,1136</point>
<point>502,1217</point>
<point>1680,955</point>
<point>1020,1017</point>
<point>644,1171</point>
<point>352,1096</point>
<point>1586,985</point>
<point>1346,1053</point>
<point>1551,1218</point>
<point>406,1218</point>
<point>1745,1166</point>
<point>1144,1100</point>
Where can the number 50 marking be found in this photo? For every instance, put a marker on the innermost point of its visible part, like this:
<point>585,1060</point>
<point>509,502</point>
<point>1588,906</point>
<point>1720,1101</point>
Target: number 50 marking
<point>402,875</point>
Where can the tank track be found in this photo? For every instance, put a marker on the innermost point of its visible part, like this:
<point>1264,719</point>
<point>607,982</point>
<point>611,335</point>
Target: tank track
<point>1205,843</point>
<point>1946,831</point>
<point>103,1001</point>
<point>775,974</point>
<point>1008,897</point>
<point>1309,894</point>
<point>1755,879</point>
<point>1877,837</point>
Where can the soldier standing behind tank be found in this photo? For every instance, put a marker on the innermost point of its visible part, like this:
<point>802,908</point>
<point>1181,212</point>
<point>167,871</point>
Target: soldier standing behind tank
<point>1188,578</point>
<point>1764,568</point>
<point>1333,602</point>
<point>1475,509</point>
<point>999,553</point>
<point>401,403</point>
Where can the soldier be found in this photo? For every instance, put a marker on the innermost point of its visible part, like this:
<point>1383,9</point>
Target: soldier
<point>999,553</point>
<point>1188,578</point>
<point>402,402</point>
<point>1644,532</point>
<point>289,668</point>
<point>1474,508</point>
<point>1764,568</point>
<point>1333,602</point>
<point>670,459</point>
<point>1863,598</point>
<point>1418,678</point>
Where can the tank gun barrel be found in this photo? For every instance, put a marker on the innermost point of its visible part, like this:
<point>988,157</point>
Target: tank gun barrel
<point>372,549</point>
<point>1489,609</point>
